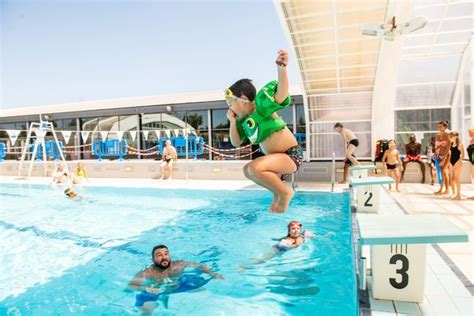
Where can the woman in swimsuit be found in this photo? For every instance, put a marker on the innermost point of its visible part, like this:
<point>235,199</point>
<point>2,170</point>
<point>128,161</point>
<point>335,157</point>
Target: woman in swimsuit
<point>470,153</point>
<point>443,146</point>
<point>455,161</point>
<point>80,174</point>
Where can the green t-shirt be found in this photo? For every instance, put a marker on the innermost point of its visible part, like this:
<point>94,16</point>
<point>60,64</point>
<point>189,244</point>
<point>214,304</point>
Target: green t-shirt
<point>260,124</point>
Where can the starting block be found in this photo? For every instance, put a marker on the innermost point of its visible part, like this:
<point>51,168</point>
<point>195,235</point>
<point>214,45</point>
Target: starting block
<point>362,171</point>
<point>368,192</point>
<point>398,252</point>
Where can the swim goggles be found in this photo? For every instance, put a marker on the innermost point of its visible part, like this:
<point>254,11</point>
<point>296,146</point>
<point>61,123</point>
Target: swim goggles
<point>230,96</point>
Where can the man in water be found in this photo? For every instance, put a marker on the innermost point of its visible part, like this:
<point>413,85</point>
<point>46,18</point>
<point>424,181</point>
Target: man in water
<point>161,272</point>
<point>412,152</point>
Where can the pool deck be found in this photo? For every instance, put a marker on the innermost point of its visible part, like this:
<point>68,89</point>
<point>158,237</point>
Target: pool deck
<point>449,274</point>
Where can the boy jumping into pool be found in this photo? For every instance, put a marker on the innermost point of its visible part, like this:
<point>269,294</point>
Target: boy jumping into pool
<point>253,117</point>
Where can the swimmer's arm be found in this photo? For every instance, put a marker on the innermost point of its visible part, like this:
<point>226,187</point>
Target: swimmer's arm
<point>282,91</point>
<point>136,283</point>
<point>203,268</point>
<point>461,149</point>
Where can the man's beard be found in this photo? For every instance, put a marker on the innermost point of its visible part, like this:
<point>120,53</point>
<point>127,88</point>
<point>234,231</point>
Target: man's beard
<point>163,267</point>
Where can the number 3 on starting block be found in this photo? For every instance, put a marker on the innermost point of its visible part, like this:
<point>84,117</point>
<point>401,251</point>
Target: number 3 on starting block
<point>399,272</point>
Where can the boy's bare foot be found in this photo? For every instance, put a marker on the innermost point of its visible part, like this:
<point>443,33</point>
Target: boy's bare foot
<point>274,203</point>
<point>456,197</point>
<point>342,182</point>
<point>284,201</point>
<point>445,192</point>
<point>438,192</point>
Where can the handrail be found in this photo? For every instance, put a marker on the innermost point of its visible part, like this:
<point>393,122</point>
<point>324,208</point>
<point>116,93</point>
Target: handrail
<point>333,171</point>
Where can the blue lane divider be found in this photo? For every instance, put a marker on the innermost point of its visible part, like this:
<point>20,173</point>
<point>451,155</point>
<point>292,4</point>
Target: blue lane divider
<point>195,145</point>
<point>109,148</point>
<point>52,150</point>
<point>2,151</point>
<point>438,170</point>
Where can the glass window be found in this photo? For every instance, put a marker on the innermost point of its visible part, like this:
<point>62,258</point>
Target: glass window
<point>325,141</point>
<point>287,116</point>
<point>197,120</point>
<point>300,119</point>
<point>219,119</point>
<point>420,120</point>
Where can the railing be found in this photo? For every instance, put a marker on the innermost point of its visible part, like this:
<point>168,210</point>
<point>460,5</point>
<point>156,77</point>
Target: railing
<point>52,150</point>
<point>333,171</point>
<point>195,145</point>
<point>2,151</point>
<point>109,148</point>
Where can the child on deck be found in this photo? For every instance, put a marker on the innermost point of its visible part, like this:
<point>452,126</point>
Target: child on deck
<point>391,161</point>
<point>253,116</point>
<point>455,160</point>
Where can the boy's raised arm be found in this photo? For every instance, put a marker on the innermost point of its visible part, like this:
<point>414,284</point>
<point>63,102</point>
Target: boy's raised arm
<point>282,91</point>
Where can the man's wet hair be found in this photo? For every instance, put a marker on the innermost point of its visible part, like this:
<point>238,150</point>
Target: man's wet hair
<point>244,87</point>
<point>156,248</point>
<point>338,125</point>
<point>444,123</point>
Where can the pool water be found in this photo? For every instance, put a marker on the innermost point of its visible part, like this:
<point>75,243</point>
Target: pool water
<point>65,257</point>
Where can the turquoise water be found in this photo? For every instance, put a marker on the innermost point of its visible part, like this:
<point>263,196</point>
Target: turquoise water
<point>64,257</point>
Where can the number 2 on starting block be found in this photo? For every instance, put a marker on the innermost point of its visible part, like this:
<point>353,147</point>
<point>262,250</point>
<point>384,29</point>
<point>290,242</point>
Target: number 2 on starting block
<point>368,198</point>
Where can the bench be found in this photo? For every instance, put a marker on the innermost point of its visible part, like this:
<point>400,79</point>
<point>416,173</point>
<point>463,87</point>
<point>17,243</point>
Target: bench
<point>398,252</point>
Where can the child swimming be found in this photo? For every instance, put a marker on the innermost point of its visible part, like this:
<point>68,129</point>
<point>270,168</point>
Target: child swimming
<point>70,194</point>
<point>294,238</point>
<point>253,117</point>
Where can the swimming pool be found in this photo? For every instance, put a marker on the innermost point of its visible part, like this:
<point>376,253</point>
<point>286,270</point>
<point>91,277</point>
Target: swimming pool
<point>62,257</point>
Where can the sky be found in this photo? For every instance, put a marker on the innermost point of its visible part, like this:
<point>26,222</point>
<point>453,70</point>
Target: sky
<point>61,51</point>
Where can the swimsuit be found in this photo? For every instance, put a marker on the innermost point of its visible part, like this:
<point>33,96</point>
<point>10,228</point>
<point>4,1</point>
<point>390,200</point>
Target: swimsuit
<point>185,283</point>
<point>391,167</point>
<point>455,155</point>
<point>296,154</point>
<point>259,125</point>
<point>80,172</point>
<point>410,158</point>
<point>470,153</point>
<point>354,142</point>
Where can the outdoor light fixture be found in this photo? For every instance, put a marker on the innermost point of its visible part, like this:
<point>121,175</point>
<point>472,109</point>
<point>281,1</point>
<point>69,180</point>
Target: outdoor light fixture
<point>391,29</point>
<point>168,109</point>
